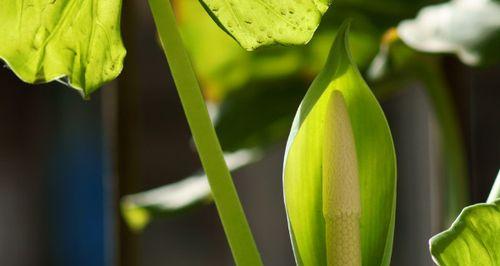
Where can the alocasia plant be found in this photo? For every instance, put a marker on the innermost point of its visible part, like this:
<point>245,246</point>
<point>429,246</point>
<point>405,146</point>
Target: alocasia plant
<point>80,40</point>
<point>339,172</point>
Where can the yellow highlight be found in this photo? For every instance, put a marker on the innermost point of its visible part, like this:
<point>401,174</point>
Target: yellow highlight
<point>136,218</point>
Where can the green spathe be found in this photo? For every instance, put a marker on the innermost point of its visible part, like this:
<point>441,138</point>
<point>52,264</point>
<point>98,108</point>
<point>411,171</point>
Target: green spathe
<point>257,23</point>
<point>374,153</point>
<point>47,40</point>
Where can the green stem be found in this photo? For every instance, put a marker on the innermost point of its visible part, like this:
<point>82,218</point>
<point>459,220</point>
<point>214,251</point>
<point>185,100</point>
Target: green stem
<point>224,193</point>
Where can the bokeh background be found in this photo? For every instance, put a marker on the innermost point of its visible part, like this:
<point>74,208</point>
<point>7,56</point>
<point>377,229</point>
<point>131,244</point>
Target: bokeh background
<point>65,162</point>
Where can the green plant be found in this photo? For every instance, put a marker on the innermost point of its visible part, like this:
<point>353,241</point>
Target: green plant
<point>340,167</point>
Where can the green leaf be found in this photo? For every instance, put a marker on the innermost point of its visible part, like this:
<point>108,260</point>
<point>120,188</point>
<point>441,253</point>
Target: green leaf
<point>234,68</point>
<point>264,22</point>
<point>47,40</point>
<point>472,239</point>
<point>140,209</point>
<point>468,28</point>
<point>308,147</point>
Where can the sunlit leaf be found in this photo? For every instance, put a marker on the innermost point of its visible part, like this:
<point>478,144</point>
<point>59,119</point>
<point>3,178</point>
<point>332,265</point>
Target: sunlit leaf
<point>47,40</point>
<point>264,22</point>
<point>473,239</point>
<point>305,161</point>
<point>468,28</point>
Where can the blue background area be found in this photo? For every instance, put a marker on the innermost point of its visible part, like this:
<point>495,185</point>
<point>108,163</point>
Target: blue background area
<point>76,194</point>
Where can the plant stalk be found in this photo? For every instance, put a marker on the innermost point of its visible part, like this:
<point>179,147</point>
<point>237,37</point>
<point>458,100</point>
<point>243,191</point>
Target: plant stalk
<point>223,191</point>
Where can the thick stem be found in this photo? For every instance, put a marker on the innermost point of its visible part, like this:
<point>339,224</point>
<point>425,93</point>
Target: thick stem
<point>224,193</point>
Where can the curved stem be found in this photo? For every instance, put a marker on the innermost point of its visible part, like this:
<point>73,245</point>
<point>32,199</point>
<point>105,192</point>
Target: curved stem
<point>224,193</point>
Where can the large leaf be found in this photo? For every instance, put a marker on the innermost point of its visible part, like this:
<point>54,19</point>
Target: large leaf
<point>473,239</point>
<point>46,40</point>
<point>263,126</point>
<point>263,22</point>
<point>374,153</point>
<point>468,28</point>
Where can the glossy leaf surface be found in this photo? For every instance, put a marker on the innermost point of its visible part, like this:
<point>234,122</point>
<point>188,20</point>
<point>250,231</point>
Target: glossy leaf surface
<point>47,40</point>
<point>473,239</point>
<point>375,161</point>
<point>468,28</point>
<point>257,23</point>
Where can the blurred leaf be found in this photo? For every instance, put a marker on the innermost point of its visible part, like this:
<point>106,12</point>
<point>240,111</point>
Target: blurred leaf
<point>472,239</point>
<point>264,22</point>
<point>47,40</point>
<point>139,209</point>
<point>406,66</point>
<point>468,28</point>
<point>380,66</point>
<point>374,153</point>
<point>233,68</point>
<point>240,125</point>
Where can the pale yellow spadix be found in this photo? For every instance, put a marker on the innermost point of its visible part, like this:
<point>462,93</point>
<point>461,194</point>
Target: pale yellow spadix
<point>341,198</point>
